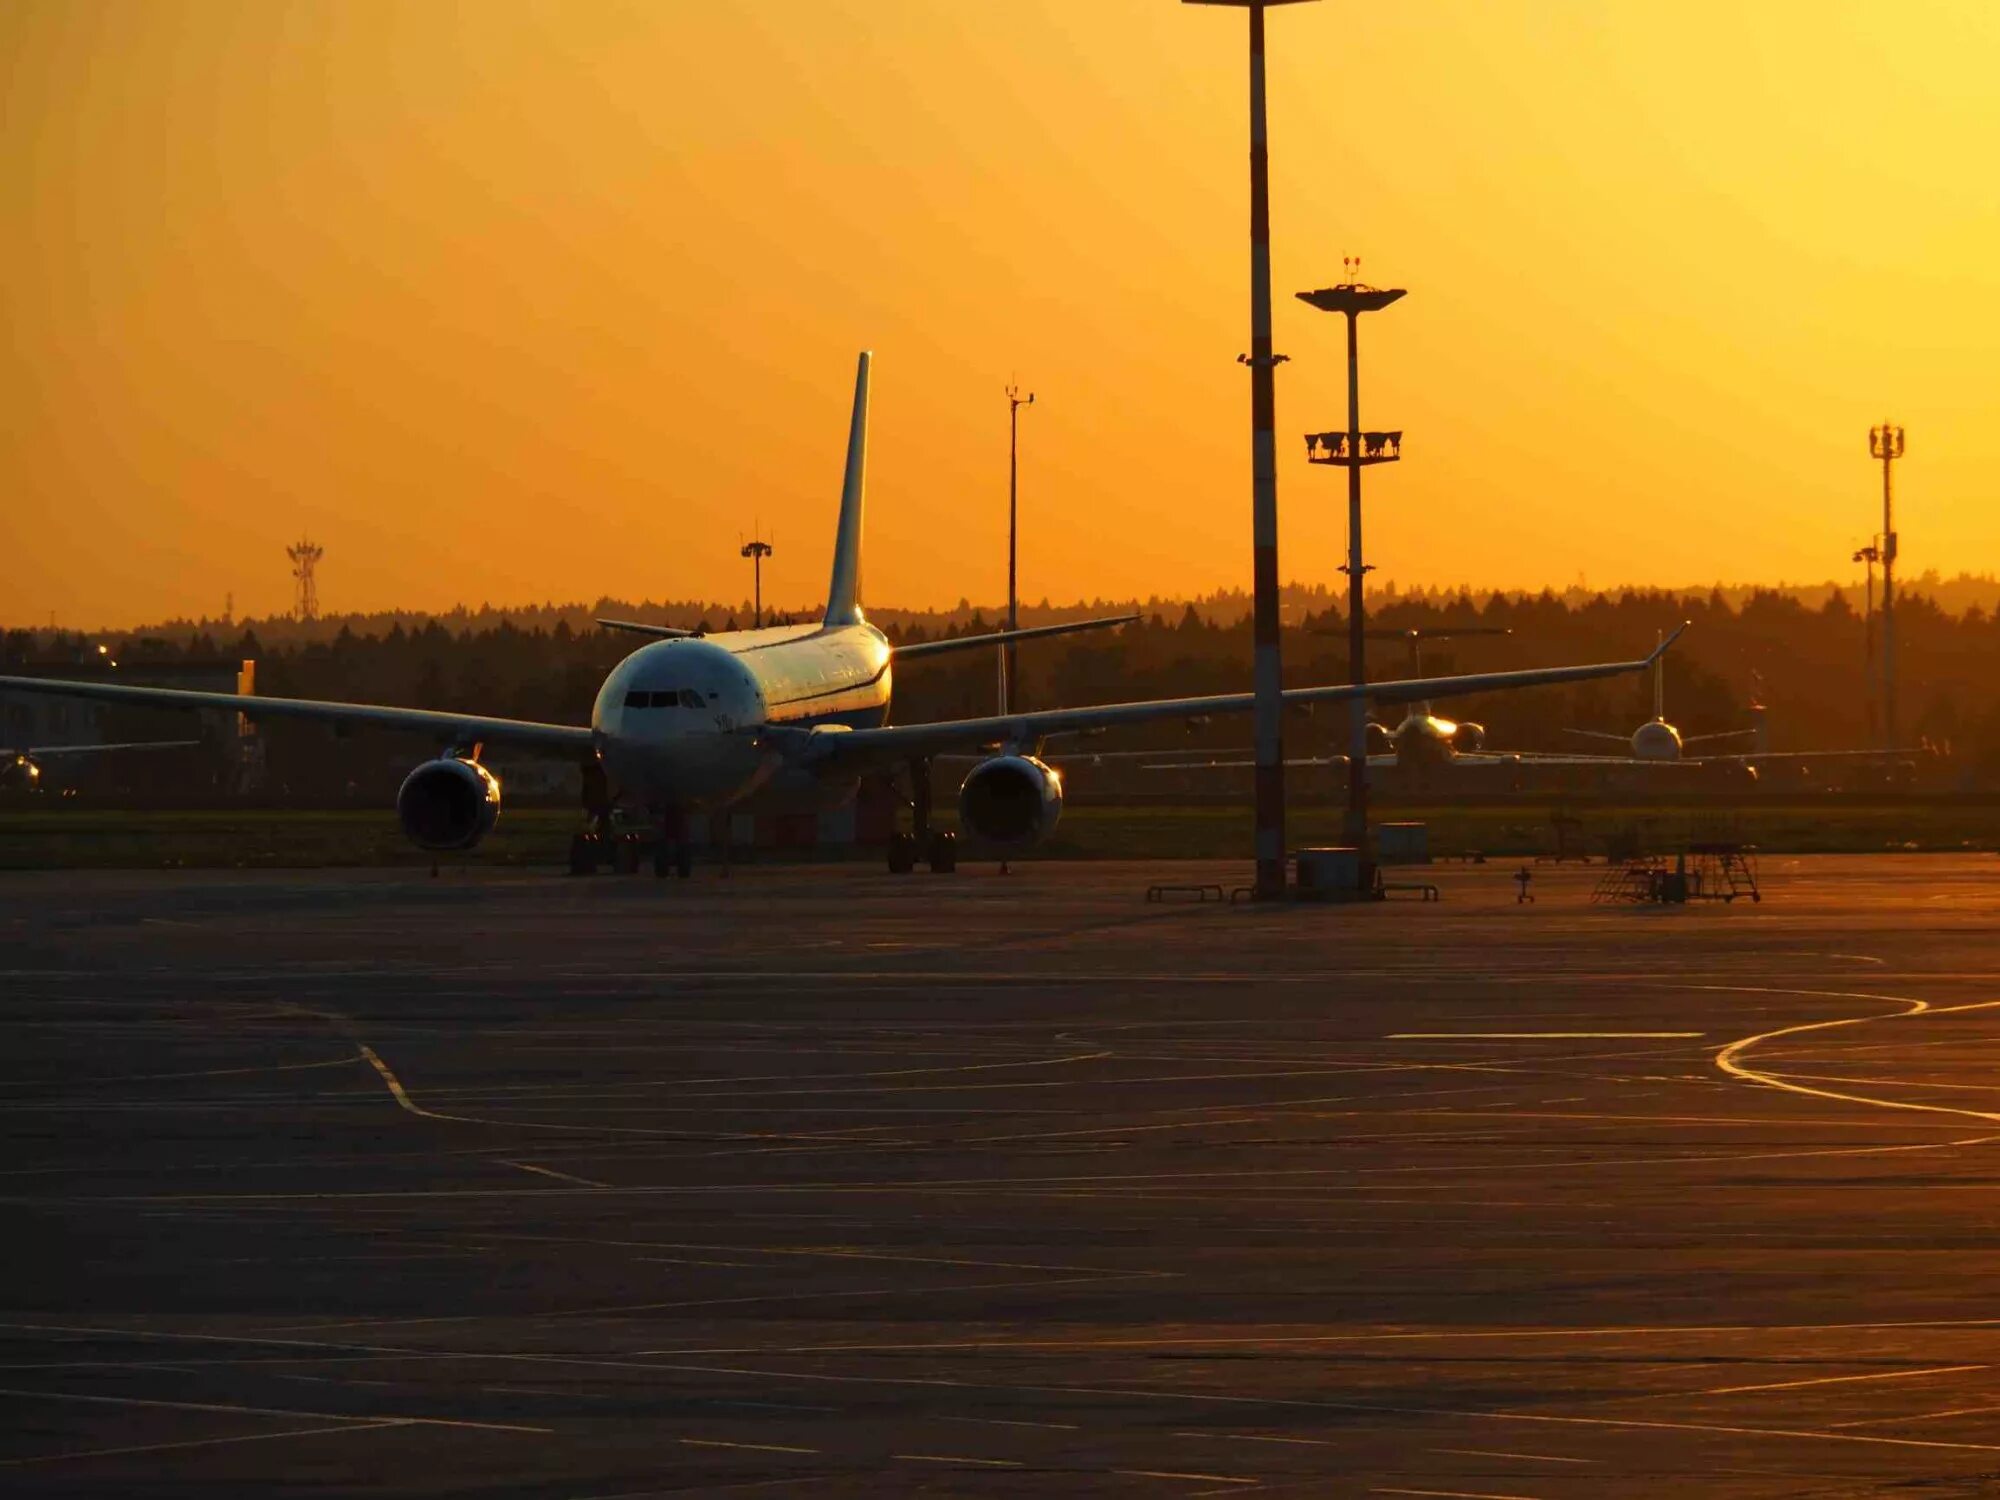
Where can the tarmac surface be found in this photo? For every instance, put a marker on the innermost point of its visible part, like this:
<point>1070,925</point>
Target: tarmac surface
<point>827,1182</point>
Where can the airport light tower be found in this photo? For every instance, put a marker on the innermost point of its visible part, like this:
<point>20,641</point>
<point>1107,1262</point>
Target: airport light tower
<point>1268,680</point>
<point>1868,556</point>
<point>1886,443</point>
<point>756,551</point>
<point>1015,401</point>
<point>1354,450</point>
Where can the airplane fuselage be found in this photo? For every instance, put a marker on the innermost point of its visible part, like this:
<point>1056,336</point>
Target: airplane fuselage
<point>1656,740</point>
<point>677,722</point>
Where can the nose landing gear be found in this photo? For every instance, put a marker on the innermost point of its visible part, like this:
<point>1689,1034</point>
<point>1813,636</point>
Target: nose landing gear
<point>602,842</point>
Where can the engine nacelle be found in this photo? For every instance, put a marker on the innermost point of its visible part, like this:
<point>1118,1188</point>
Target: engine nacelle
<point>1381,740</point>
<point>448,803</point>
<point>1011,800</point>
<point>1469,737</point>
<point>18,773</point>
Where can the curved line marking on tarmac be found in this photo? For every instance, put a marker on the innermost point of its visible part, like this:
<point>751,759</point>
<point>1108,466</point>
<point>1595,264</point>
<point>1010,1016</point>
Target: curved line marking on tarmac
<point>1728,1059</point>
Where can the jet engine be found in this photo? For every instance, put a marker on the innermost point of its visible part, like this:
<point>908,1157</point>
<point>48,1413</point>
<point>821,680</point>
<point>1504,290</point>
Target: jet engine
<point>1011,800</point>
<point>1468,737</point>
<point>18,773</point>
<point>1381,740</point>
<point>448,803</point>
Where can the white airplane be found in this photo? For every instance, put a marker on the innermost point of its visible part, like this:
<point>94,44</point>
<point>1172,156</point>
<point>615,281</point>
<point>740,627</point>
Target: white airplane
<point>1658,742</point>
<point>786,719</point>
<point>21,770</point>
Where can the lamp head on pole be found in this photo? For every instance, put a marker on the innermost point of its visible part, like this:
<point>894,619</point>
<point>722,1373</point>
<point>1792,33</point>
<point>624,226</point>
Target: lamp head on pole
<point>1885,441</point>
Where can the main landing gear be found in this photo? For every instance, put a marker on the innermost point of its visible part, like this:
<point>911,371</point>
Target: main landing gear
<point>596,842</point>
<point>938,846</point>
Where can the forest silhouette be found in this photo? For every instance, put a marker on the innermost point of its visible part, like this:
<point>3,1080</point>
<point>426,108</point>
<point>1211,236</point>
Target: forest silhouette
<point>1805,663</point>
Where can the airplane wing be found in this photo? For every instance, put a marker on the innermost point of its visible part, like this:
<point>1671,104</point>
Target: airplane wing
<point>1002,637</point>
<point>1599,734</point>
<point>51,752</point>
<point>1752,757</point>
<point>633,627</point>
<point>829,745</point>
<point>454,729</point>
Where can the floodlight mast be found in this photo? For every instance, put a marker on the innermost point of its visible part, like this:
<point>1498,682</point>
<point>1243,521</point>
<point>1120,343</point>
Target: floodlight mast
<point>1267,681</point>
<point>1868,556</point>
<point>1886,443</point>
<point>757,551</point>
<point>1015,401</point>
<point>1355,450</point>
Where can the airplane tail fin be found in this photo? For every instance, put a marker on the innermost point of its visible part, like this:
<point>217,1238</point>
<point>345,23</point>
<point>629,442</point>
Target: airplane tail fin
<point>843,592</point>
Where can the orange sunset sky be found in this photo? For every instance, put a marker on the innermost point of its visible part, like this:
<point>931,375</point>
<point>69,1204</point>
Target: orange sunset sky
<point>513,301</point>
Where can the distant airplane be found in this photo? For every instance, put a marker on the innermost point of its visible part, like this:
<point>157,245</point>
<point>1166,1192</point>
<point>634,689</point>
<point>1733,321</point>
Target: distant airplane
<point>1658,742</point>
<point>1425,744</point>
<point>1421,744</point>
<point>784,719</point>
<point>21,770</point>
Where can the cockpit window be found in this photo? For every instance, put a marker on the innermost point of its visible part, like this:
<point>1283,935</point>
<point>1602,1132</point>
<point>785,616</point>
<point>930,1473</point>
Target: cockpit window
<point>690,698</point>
<point>638,700</point>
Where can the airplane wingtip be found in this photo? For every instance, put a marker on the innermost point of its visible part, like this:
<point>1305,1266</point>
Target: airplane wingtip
<point>1661,650</point>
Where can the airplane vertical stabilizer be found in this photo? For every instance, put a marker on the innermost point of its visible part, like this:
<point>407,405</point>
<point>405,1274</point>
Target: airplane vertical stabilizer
<point>1660,680</point>
<point>843,593</point>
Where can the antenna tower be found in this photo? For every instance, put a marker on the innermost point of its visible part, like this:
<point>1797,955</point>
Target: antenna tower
<point>305,557</point>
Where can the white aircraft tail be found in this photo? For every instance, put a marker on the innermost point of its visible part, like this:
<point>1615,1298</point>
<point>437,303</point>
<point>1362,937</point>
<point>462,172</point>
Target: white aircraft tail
<point>1660,678</point>
<point>843,592</point>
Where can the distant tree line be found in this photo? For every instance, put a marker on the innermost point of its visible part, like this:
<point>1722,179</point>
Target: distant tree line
<point>1804,661</point>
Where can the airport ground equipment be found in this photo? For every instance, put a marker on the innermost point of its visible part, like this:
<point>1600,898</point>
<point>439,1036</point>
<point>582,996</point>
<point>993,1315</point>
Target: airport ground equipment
<point>1702,872</point>
<point>1403,843</point>
<point>1722,872</point>
<point>1634,882</point>
<point>1201,893</point>
<point>1569,840</point>
<point>1337,874</point>
<point>1423,889</point>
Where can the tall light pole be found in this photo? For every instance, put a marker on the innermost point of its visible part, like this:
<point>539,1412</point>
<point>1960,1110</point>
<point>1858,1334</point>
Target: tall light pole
<point>1354,450</point>
<point>1268,679</point>
<point>1868,555</point>
<point>1886,443</point>
<point>1015,401</point>
<point>757,552</point>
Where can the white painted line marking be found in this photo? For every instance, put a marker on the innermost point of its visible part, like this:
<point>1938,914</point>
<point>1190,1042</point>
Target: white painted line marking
<point>1793,1385</point>
<point>252,1437</point>
<point>1921,1416</point>
<point>528,1166</point>
<point>753,1447</point>
<point>270,1411</point>
<point>1171,1474</point>
<point>1540,1458</point>
<point>1529,1036</point>
<point>954,1458</point>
